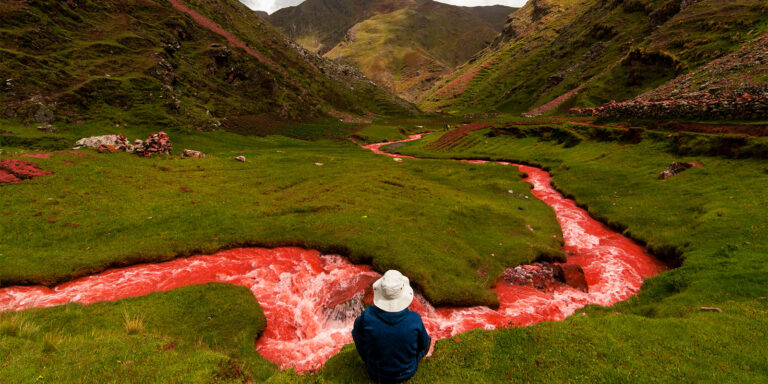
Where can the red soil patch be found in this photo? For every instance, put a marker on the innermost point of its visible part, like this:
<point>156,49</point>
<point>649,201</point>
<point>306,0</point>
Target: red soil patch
<point>453,137</point>
<point>461,83</point>
<point>12,171</point>
<point>8,178</point>
<point>553,104</point>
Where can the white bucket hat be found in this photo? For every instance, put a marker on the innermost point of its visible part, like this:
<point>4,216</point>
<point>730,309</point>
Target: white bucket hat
<point>392,292</point>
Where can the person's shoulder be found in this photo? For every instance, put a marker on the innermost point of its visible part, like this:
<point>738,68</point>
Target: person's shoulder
<point>413,316</point>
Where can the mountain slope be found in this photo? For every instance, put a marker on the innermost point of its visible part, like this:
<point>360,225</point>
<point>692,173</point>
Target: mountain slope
<point>599,50</point>
<point>407,50</point>
<point>191,63</point>
<point>732,87</point>
<point>319,25</point>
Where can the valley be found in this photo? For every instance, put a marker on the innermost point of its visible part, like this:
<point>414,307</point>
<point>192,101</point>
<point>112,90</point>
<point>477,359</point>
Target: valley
<point>574,189</point>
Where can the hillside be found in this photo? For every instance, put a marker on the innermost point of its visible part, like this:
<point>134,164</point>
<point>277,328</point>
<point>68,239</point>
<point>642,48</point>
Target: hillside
<point>184,63</point>
<point>732,87</point>
<point>319,25</point>
<point>556,54</point>
<point>407,50</point>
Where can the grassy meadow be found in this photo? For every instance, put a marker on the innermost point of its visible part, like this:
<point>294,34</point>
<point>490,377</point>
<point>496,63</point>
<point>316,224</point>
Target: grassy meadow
<point>102,210</point>
<point>437,220</point>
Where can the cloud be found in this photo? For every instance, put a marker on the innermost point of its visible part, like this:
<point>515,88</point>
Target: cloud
<point>270,6</point>
<point>478,3</point>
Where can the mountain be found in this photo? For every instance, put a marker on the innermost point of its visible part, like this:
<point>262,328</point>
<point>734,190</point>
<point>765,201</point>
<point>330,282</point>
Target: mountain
<point>494,15</point>
<point>191,63</point>
<point>402,46</point>
<point>557,54</point>
<point>319,25</point>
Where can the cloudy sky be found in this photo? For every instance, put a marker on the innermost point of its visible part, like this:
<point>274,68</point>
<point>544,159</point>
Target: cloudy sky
<point>273,5</point>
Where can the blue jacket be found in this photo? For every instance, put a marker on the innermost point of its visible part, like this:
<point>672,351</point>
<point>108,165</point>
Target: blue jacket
<point>390,343</point>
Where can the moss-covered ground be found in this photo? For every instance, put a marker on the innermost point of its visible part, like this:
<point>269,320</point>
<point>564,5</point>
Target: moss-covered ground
<point>712,217</point>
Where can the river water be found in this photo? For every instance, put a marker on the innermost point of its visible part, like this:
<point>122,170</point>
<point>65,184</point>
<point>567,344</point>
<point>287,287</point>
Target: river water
<point>310,300</point>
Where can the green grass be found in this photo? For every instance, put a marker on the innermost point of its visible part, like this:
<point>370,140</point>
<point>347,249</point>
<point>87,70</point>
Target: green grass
<point>190,335</point>
<point>584,42</point>
<point>660,335</point>
<point>147,63</point>
<point>712,215</point>
<point>418,216</point>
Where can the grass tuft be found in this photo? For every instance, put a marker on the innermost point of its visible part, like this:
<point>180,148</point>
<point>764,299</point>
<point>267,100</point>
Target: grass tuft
<point>18,325</point>
<point>133,324</point>
<point>52,339</point>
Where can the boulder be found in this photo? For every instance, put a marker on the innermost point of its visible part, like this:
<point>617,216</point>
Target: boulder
<point>572,275</point>
<point>240,159</point>
<point>118,141</point>
<point>192,153</point>
<point>42,114</point>
<point>156,144</point>
<point>539,275</point>
<point>673,169</point>
<point>47,128</point>
<point>105,148</point>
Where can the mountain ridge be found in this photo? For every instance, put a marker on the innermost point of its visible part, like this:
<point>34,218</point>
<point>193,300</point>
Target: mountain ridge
<point>148,62</point>
<point>402,45</point>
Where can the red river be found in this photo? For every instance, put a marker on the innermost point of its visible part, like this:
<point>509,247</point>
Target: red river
<point>310,300</point>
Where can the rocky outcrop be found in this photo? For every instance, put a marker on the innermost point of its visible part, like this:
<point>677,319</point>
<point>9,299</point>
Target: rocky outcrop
<point>118,142</point>
<point>746,107</point>
<point>41,113</point>
<point>156,144</point>
<point>545,276</point>
<point>729,88</point>
<point>572,275</point>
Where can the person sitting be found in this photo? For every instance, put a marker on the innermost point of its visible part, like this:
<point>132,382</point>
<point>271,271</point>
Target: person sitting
<point>391,339</point>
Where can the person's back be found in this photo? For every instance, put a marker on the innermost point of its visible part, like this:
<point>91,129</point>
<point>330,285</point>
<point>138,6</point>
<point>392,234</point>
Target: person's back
<point>391,339</point>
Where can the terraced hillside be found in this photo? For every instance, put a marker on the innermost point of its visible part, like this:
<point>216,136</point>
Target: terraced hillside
<point>600,50</point>
<point>190,63</point>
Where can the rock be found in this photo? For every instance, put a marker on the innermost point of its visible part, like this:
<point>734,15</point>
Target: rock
<point>673,169</point>
<point>710,309</point>
<point>118,141</point>
<point>104,148</point>
<point>540,275</point>
<point>572,275</point>
<point>192,153</point>
<point>47,128</point>
<point>42,114</point>
<point>156,144</point>
<point>240,159</point>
